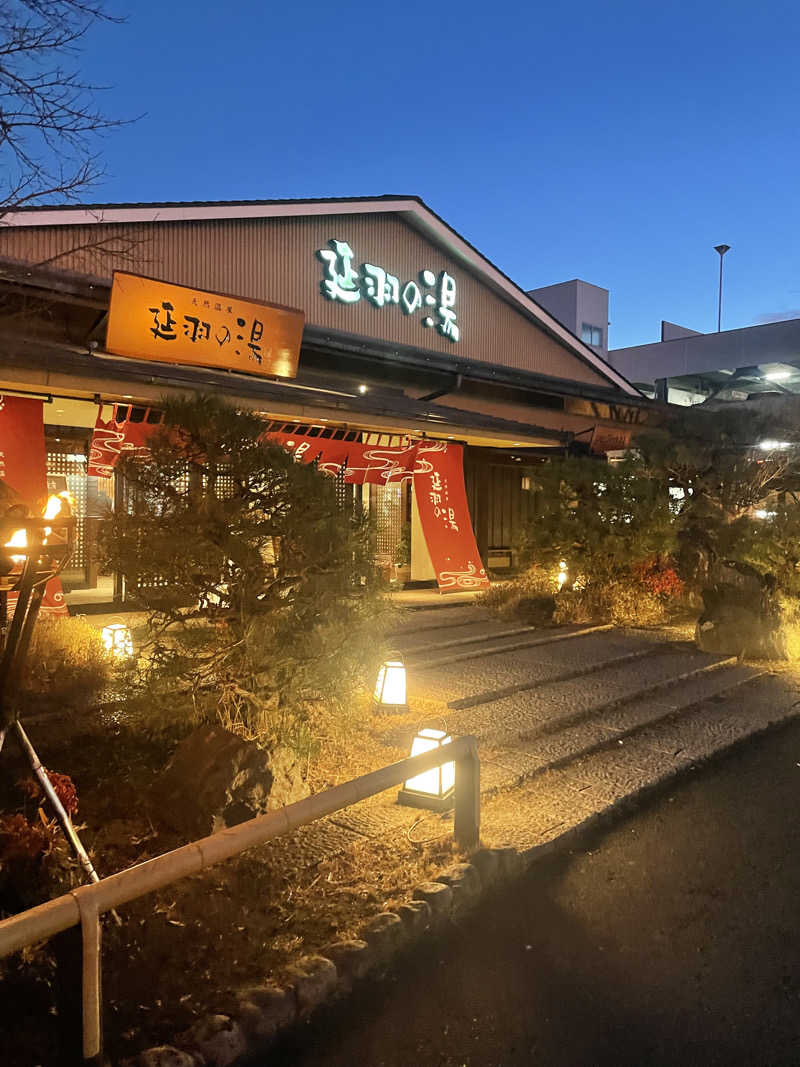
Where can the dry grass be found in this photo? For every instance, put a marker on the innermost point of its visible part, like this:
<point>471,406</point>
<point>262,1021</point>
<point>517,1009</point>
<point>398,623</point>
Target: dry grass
<point>67,660</point>
<point>625,603</point>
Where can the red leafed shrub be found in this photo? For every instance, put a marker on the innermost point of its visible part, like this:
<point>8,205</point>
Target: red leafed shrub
<point>21,840</point>
<point>660,581</point>
<point>65,791</point>
<point>62,784</point>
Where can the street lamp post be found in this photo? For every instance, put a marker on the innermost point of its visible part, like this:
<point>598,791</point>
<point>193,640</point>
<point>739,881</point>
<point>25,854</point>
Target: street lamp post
<point>722,249</point>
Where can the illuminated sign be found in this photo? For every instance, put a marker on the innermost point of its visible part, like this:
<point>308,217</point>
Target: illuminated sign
<point>155,320</point>
<point>382,289</point>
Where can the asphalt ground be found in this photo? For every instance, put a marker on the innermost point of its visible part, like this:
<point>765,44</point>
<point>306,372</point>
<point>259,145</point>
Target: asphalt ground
<point>669,937</point>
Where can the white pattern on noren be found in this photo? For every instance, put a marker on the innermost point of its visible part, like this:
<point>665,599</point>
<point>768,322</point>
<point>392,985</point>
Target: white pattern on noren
<point>471,578</point>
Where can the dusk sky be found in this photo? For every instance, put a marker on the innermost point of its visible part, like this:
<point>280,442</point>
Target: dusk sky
<point>614,142</point>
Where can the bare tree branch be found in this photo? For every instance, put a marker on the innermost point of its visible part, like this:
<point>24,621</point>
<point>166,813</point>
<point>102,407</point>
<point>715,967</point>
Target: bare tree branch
<point>49,119</point>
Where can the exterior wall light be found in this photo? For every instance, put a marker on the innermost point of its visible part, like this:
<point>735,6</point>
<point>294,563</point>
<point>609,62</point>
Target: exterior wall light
<point>434,789</point>
<point>390,688</point>
<point>117,640</point>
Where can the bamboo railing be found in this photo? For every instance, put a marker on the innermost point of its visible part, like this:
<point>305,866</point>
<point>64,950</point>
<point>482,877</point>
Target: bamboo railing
<point>86,904</point>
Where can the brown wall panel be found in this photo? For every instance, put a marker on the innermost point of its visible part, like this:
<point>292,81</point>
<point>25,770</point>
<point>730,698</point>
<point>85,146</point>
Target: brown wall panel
<point>275,260</point>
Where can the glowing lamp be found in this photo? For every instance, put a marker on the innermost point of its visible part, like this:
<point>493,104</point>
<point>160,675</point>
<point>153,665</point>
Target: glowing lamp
<point>773,446</point>
<point>562,573</point>
<point>390,688</point>
<point>117,640</point>
<point>435,788</point>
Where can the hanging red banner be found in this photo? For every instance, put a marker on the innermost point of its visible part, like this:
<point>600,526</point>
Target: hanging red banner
<point>436,471</point>
<point>444,516</point>
<point>23,467</point>
<point>126,429</point>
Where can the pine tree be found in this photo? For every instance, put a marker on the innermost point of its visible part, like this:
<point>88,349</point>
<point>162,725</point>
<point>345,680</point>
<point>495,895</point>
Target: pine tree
<point>260,590</point>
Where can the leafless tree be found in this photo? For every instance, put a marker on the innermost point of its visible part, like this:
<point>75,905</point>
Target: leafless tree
<point>49,117</point>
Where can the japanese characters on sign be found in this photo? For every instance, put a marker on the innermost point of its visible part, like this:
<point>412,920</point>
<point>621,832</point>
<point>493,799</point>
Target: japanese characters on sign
<point>157,320</point>
<point>381,289</point>
<point>440,502</point>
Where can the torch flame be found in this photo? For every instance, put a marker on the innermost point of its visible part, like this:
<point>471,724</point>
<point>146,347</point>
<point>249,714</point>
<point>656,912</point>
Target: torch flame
<point>17,540</point>
<point>56,503</point>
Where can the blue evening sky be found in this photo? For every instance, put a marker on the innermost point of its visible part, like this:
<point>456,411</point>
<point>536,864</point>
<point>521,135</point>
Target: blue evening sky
<point>616,142</point>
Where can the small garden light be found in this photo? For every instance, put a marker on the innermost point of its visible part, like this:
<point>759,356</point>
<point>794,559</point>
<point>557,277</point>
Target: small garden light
<point>562,573</point>
<point>117,640</point>
<point>390,689</point>
<point>435,788</point>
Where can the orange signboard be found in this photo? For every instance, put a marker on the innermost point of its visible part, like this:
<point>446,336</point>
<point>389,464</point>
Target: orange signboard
<point>156,320</point>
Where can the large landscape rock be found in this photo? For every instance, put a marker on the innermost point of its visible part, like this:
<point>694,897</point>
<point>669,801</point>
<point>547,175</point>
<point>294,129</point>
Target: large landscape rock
<point>215,779</point>
<point>741,616</point>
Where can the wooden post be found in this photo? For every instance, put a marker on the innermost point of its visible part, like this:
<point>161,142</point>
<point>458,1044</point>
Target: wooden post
<point>91,975</point>
<point>467,828</point>
<point>481,519</point>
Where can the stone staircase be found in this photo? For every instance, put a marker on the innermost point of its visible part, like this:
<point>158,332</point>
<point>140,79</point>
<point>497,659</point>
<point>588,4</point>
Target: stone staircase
<point>569,722</point>
<point>555,700</point>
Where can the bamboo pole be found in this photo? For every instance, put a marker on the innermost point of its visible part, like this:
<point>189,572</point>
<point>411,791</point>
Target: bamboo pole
<point>61,814</point>
<point>91,935</point>
<point>468,797</point>
<point>42,922</point>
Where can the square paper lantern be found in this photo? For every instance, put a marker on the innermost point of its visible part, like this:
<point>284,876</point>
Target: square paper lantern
<point>390,688</point>
<point>434,789</point>
<point>117,640</point>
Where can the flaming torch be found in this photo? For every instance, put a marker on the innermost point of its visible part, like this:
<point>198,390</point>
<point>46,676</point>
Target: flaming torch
<point>33,551</point>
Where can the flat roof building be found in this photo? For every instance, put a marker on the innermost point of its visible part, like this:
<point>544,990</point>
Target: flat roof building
<point>581,307</point>
<point>686,367</point>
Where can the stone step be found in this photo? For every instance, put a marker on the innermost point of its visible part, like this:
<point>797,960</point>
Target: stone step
<point>579,671</point>
<point>654,686</point>
<point>415,620</point>
<point>571,796</point>
<point>554,703</point>
<point>509,645</point>
<point>456,636</point>
<point>612,725</point>
<point>462,680</point>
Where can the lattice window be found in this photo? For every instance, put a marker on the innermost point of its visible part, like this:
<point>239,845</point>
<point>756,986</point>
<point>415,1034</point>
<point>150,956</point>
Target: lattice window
<point>63,463</point>
<point>389,512</point>
<point>344,492</point>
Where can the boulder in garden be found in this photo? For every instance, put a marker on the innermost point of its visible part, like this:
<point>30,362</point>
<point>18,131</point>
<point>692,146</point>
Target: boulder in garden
<point>215,779</point>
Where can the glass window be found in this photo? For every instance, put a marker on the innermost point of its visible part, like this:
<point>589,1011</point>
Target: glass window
<point>591,335</point>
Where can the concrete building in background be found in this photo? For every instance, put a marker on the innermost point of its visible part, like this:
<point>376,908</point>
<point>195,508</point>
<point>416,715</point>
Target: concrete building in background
<point>686,367</point>
<point>581,307</point>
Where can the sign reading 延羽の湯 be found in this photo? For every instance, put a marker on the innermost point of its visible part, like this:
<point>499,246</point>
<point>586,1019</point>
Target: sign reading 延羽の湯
<point>151,319</point>
<point>434,295</point>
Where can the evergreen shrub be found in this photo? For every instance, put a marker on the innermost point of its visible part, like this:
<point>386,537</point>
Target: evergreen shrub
<point>261,594</point>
